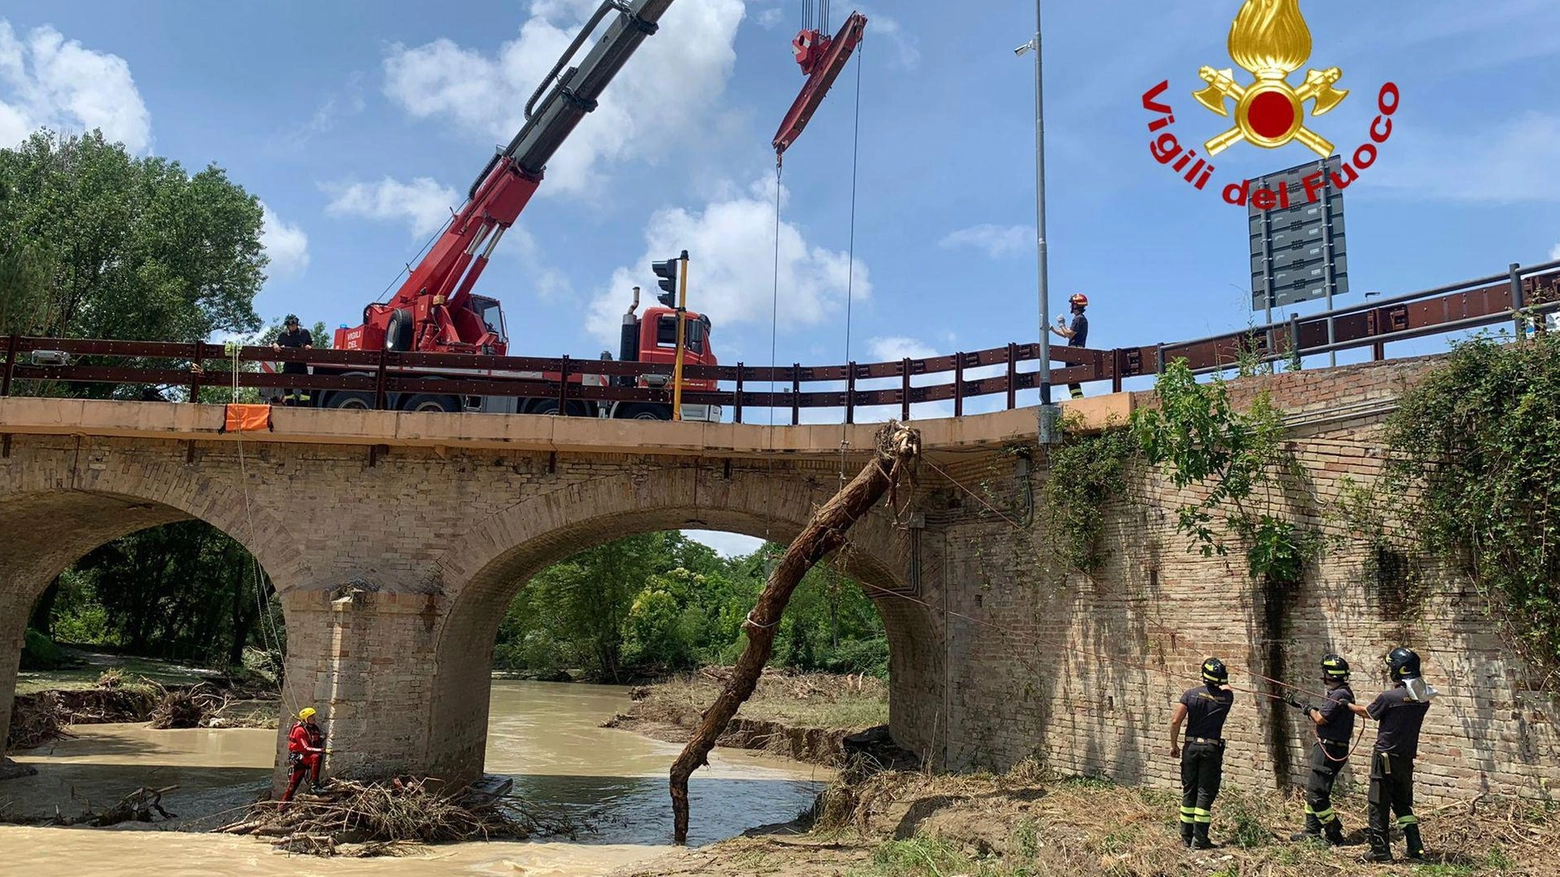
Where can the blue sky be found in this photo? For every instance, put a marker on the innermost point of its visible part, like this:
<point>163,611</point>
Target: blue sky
<point>361,124</point>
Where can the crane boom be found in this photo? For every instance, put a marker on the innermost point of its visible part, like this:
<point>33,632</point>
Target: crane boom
<point>822,58</point>
<point>432,310</point>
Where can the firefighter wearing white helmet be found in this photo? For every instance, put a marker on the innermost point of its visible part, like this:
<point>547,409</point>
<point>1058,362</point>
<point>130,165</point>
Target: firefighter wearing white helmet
<point>1077,334</point>
<point>1399,712</point>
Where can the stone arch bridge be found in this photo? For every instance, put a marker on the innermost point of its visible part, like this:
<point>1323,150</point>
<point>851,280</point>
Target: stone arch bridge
<point>396,540</point>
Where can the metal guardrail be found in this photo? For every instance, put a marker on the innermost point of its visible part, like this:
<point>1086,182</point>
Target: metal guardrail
<point>1480,302</point>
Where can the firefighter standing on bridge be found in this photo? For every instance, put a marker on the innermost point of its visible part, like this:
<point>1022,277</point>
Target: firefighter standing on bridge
<point>294,336</point>
<point>1204,710</point>
<point>1077,334</point>
<point>1334,725</point>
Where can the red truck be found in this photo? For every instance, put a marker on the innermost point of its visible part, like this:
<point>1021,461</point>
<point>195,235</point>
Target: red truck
<point>436,311</point>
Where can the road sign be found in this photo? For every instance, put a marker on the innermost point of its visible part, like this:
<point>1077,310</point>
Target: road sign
<point>1297,252</point>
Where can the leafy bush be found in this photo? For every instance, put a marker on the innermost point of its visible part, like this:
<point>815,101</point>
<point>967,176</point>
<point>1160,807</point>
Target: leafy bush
<point>40,653</point>
<point>1474,450</point>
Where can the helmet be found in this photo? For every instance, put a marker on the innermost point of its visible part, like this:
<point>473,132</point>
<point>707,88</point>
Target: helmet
<point>1213,670</point>
<point>305,713</point>
<point>1403,663</point>
<point>292,320</point>
<point>1335,669</point>
<point>1079,299</point>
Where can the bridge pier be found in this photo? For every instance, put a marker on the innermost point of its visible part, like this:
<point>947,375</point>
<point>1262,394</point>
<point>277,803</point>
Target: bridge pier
<point>365,659</point>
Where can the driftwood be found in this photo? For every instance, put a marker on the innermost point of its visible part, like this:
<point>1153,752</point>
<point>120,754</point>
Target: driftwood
<point>384,818</point>
<point>898,446</point>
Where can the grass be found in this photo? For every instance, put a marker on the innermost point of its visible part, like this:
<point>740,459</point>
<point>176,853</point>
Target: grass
<point>91,666</point>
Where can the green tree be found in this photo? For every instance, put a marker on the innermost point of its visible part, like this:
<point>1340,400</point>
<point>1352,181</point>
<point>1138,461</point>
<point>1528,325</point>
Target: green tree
<point>130,248</point>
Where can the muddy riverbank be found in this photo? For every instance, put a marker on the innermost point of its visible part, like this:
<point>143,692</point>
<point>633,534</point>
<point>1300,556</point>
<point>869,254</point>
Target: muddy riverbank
<point>1027,823</point>
<point>805,717</point>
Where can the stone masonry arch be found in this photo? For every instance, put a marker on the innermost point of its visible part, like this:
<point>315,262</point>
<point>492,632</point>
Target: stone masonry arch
<point>520,541</point>
<point>55,511</point>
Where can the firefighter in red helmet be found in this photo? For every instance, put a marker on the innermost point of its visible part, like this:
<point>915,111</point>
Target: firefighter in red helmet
<point>1077,334</point>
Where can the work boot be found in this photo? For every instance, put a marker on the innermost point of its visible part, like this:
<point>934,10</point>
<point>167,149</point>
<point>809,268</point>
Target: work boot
<point>1379,850</point>
<point>1313,829</point>
<point>1416,848</point>
<point>1200,839</point>
<point>1334,831</point>
<point>1186,834</point>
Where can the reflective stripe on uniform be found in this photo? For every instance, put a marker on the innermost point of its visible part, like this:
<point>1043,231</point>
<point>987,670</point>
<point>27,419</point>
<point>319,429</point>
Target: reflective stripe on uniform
<point>1325,816</point>
<point>1410,819</point>
<point>1187,814</point>
<point>1201,815</point>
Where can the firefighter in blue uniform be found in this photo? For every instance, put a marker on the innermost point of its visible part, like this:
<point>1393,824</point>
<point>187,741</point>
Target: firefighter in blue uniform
<point>1333,722</point>
<point>1399,712</point>
<point>1204,710</point>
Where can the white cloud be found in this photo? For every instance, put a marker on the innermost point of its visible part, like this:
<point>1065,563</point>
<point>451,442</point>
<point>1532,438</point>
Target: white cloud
<point>769,19</point>
<point>731,243</point>
<point>1555,253</point>
<point>286,245</point>
<point>666,91</point>
<point>50,82</point>
<point>906,49</point>
<point>890,349</point>
<point>726,544</point>
<point>423,203</point>
<point>996,240</point>
<point>1512,163</point>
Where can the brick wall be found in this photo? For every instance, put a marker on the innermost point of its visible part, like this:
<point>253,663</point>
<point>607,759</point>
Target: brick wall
<point>1084,672</point>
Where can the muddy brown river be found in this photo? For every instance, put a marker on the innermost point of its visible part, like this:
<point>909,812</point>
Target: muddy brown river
<point>544,735</point>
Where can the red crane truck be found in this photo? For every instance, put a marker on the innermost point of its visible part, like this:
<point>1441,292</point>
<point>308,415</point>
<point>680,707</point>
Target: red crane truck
<point>435,309</point>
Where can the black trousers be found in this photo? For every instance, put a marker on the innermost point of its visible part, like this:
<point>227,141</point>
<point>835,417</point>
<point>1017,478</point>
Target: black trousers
<point>1324,772</point>
<point>289,368</point>
<point>1202,769</point>
<point>1391,791</point>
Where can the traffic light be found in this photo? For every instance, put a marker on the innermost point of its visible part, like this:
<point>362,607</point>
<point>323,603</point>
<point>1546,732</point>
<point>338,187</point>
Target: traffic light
<point>667,272</point>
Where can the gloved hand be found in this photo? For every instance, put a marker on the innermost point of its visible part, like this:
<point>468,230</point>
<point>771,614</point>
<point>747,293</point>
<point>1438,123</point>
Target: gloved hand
<point>1294,701</point>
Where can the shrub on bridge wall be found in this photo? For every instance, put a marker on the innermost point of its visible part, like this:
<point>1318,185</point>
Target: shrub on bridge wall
<point>1087,471</point>
<point>1474,459</point>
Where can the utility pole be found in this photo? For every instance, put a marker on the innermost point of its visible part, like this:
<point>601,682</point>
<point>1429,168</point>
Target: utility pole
<point>1048,412</point>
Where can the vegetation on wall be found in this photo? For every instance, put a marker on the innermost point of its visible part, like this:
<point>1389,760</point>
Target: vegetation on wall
<point>1086,472</point>
<point>1237,457</point>
<point>1474,465</point>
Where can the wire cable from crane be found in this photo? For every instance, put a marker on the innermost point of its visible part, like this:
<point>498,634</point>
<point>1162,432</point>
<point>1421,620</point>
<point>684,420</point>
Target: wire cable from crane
<point>407,268</point>
<point>850,259</point>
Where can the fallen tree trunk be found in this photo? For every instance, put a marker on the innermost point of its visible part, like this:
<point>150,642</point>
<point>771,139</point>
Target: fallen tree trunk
<point>897,447</point>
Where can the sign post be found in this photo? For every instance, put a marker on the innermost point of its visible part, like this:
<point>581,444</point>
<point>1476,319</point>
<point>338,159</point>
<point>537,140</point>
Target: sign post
<point>1297,251</point>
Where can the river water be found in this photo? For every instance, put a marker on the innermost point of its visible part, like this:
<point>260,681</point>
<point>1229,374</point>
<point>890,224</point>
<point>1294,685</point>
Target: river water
<point>544,735</point>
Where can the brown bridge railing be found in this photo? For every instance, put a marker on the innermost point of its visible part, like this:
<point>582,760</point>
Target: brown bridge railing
<point>1522,296</point>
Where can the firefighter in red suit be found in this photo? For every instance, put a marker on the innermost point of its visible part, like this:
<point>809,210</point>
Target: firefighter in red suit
<point>305,752</point>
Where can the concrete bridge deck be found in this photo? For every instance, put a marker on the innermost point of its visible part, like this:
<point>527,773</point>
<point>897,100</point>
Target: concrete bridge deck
<point>524,432</point>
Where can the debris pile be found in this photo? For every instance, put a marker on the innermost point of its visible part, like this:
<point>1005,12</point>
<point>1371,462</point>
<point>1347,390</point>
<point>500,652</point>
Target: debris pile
<point>37,719</point>
<point>191,707</point>
<point>345,817</point>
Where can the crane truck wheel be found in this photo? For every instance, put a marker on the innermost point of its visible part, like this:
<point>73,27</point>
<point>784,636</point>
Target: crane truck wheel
<point>550,407</point>
<point>350,401</point>
<point>431,402</point>
<point>641,411</point>
<point>398,334</point>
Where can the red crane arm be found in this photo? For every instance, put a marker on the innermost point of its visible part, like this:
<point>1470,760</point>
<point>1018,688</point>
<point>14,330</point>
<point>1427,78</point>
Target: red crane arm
<point>823,59</point>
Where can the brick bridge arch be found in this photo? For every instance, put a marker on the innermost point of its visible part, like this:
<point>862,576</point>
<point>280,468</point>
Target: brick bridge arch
<point>518,542</point>
<point>52,515</point>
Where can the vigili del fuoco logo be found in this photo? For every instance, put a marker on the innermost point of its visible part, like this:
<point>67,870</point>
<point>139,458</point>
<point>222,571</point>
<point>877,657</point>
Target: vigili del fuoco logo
<point>1269,40</point>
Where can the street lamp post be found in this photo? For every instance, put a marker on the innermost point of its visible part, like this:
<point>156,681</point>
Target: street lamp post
<point>1048,411</point>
